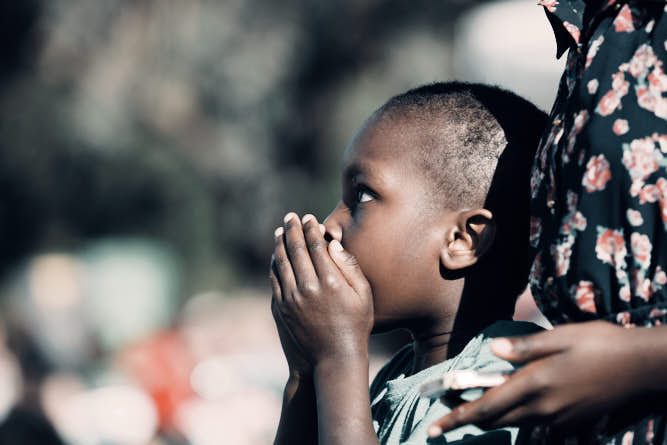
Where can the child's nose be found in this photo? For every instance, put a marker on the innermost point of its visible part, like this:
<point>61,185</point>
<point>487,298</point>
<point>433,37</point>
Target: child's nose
<point>334,230</point>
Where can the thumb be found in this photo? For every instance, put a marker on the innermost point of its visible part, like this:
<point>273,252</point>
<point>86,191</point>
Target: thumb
<point>527,348</point>
<point>349,267</point>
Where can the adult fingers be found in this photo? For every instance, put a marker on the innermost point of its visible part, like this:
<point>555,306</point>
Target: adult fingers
<point>495,403</point>
<point>349,267</point>
<point>297,252</point>
<point>283,267</point>
<point>317,248</point>
<point>529,347</point>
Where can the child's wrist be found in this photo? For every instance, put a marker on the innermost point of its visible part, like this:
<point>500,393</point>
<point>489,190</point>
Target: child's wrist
<point>348,361</point>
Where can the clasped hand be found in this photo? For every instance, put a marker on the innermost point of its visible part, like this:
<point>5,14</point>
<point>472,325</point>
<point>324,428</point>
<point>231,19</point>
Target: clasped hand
<point>322,303</point>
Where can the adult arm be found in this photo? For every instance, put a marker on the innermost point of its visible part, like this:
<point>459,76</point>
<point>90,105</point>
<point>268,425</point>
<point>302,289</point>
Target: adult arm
<point>326,304</point>
<point>574,373</point>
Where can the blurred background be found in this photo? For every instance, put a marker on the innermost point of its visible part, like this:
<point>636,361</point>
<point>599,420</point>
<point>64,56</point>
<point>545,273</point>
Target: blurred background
<point>148,148</point>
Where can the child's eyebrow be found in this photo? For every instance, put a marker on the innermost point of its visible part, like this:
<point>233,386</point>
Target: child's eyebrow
<point>358,170</point>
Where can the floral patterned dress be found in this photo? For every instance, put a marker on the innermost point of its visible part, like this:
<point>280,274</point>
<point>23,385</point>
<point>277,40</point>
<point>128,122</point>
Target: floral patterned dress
<point>599,181</point>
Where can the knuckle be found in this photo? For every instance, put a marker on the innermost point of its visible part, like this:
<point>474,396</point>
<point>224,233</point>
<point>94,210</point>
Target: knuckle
<point>481,412</point>
<point>317,244</point>
<point>281,261</point>
<point>295,246</point>
<point>522,346</point>
<point>331,282</point>
<point>461,414</point>
<point>309,288</point>
<point>546,408</point>
<point>538,380</point>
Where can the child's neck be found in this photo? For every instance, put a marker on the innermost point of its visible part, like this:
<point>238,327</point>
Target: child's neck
<point>447,332</point>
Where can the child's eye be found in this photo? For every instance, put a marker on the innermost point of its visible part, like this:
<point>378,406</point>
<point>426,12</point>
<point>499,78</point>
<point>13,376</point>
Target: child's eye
<point>364,196</point>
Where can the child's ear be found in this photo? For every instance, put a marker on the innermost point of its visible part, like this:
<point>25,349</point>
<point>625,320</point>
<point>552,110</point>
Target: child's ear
<point>467,239</point>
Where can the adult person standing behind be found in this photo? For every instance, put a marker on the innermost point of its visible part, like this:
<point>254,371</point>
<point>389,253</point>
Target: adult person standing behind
<point>599,229</point>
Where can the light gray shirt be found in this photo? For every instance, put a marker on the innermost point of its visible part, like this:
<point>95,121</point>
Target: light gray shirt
<point>402,416</point>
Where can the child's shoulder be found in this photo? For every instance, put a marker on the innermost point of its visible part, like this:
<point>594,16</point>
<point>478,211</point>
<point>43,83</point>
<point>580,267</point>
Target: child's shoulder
<point>478,355</point>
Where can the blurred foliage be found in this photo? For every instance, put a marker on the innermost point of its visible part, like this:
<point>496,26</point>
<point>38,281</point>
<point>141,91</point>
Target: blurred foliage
<point>198,123</point>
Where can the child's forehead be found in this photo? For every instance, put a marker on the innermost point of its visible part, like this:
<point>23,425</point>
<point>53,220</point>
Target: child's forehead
<point>389,140</point>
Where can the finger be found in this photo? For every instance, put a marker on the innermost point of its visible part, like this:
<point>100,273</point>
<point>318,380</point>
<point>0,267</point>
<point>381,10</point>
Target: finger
<point>297,252</point>
<point>317,248</point>
<point>349,267</point>
<point>283,267</point>
<point>493,404</point>
<point>524,414</point>
<point>275,284</point>
<point>530,347</point>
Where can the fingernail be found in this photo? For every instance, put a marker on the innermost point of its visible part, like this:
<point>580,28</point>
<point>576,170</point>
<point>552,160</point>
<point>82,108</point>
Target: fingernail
<point>288,217</point>
<point>278,232</point>
<point>434,431</point>
<point>501,346</point>
<point>323,229</point>
<point>336,246</point>
<point>307,218</point>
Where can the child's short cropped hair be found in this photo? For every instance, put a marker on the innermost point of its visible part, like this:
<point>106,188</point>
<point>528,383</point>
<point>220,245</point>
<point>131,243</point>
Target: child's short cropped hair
<point>477,145</point>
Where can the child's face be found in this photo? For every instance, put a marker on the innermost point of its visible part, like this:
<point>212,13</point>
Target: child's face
<point>384,219</point>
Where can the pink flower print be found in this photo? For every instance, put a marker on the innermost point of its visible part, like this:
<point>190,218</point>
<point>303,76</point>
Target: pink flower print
<point>592,52</point>
<point>535,231</point>
<point>535,180</point>
<point>597,174</point>
<point>657,79</point>
<point>629,435</point>
<point>641,61</point>
<point>549,4</point>
<point>640,158</point>
<point>561,254</point>
<point>592,86</point>
<point>649,431</point>
<point>648,193</point>
<point>585,296</point>
<point>623,21</point>
<point>620,127</point>
<point>660,277</point>
<point>573,30</point>
<point>608,103</point>
<point>619,84</point>
<point>657,312</point>
<point>661,186</point>
<point>535,276</point>
<point>624,293</point>
<point>646,98</point>
<point>662,141</point>
<point>610,247</point>
<point>580,120</point>
<point>651,97</point>
<point>623,318</point>
<point>643,287</point>
<point>634,217</point>
<point>612,99</point>
<point>641,249</point>
<point>579,221</point>
<point>574,219</point>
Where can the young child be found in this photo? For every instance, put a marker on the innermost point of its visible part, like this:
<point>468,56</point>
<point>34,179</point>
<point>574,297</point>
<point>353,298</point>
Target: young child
<point>430,235</point>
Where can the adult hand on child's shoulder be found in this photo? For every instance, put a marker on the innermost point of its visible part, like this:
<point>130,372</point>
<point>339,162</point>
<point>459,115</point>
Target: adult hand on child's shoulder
<point>572,374</point>
<point>324,300</point>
